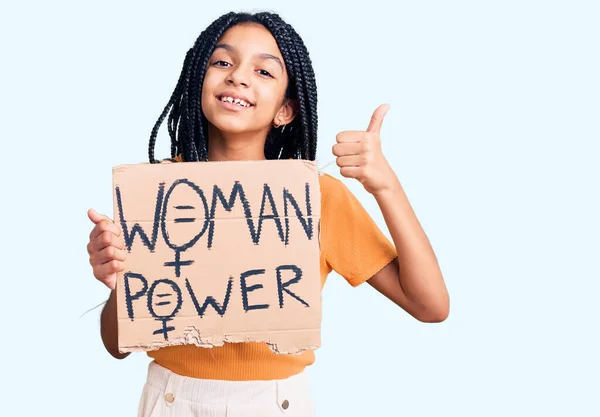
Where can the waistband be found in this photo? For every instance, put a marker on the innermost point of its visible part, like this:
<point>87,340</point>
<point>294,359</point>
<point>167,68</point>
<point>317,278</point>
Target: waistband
<point>294,389</point>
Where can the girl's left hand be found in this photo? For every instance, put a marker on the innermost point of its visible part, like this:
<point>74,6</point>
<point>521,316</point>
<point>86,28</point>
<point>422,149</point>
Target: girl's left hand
<point>359,155</point>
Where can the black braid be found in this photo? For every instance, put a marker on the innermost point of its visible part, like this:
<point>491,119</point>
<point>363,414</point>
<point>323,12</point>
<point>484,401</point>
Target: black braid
<point>187,126</point>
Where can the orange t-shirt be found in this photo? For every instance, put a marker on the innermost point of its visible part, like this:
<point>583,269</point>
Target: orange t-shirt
<point>351,244</point>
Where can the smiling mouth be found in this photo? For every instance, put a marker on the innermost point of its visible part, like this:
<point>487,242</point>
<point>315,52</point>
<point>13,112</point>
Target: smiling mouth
<point>236,101</point>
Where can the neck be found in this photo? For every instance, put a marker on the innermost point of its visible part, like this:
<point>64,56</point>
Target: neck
<point>235,147</point>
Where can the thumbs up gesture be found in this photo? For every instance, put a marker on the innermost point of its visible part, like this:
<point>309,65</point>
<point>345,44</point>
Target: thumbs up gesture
<point>359,155</point>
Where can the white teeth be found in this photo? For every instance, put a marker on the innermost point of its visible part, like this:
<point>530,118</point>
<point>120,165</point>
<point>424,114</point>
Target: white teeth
<point>237,101</point>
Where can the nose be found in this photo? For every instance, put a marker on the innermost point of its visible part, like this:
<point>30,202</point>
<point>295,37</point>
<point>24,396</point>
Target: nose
<point>239,76</point>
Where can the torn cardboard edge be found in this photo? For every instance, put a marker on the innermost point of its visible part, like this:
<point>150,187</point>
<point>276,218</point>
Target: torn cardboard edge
<point>192,336</point>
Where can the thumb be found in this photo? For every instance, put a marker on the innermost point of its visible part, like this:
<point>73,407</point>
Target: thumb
<point>96,217</point>
<point>377,118</point>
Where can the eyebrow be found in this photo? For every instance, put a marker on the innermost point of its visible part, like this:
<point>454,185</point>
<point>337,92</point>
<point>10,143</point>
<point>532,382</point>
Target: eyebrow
<point>264,55</point>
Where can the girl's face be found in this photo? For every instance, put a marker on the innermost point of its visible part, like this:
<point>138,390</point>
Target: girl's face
<point>245,83</point>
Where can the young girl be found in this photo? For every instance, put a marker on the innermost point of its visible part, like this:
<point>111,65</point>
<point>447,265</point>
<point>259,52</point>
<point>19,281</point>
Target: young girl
<point>247,92</point>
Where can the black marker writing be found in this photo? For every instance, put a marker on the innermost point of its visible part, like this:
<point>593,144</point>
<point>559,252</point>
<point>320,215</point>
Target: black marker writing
<point>178,263</point>
<point>246,289</point>
<point>210,300</point>
<point>128,235</point>
<point>282,286</point>
<point>268,211</point>
<point>165,317</point>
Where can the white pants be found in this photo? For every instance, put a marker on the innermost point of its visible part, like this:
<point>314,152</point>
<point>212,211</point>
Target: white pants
<point>168,394</point>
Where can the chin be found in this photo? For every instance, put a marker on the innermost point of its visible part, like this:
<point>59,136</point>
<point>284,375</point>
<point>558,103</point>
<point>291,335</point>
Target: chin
<point>231,126</point>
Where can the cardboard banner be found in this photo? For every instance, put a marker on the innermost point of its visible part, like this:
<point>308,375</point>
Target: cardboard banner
<point>219,252</point>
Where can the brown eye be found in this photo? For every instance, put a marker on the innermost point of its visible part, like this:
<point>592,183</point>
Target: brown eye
<point>221,63</point>
<point>265,73</point>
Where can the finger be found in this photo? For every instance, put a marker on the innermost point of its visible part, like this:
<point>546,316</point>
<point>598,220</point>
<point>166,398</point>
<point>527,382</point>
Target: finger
<point>106,239</point>
<point>377,118</point>
<point>107,273</point>
<point>104,226</point>
<point>111,281</point>
<point>344,149</point>
<point>351,172</point>
<point>96,217</point>
<point>108,254</point>
<point>102,272</point>
<point>351,161</point>
<point>350,136</point>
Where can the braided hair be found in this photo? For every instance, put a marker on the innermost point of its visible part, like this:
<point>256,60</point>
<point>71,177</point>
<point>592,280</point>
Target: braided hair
<point>187,126</point>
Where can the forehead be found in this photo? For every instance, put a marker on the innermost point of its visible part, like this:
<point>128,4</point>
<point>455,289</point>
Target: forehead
<point>251,38</point>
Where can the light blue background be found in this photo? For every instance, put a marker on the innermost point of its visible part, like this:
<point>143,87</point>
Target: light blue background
<point>493,130</point>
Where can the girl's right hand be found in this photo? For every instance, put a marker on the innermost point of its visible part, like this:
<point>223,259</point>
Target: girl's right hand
<point>106,249</point>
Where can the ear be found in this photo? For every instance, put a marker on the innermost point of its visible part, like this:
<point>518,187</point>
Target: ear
<point>287,112</point>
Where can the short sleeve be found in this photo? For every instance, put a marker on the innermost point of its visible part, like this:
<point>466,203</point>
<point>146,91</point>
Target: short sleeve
<point>352,243</point>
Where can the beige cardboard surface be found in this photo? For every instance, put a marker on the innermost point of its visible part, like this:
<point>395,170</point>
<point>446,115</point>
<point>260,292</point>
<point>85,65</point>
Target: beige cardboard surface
<point>219,251</point>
